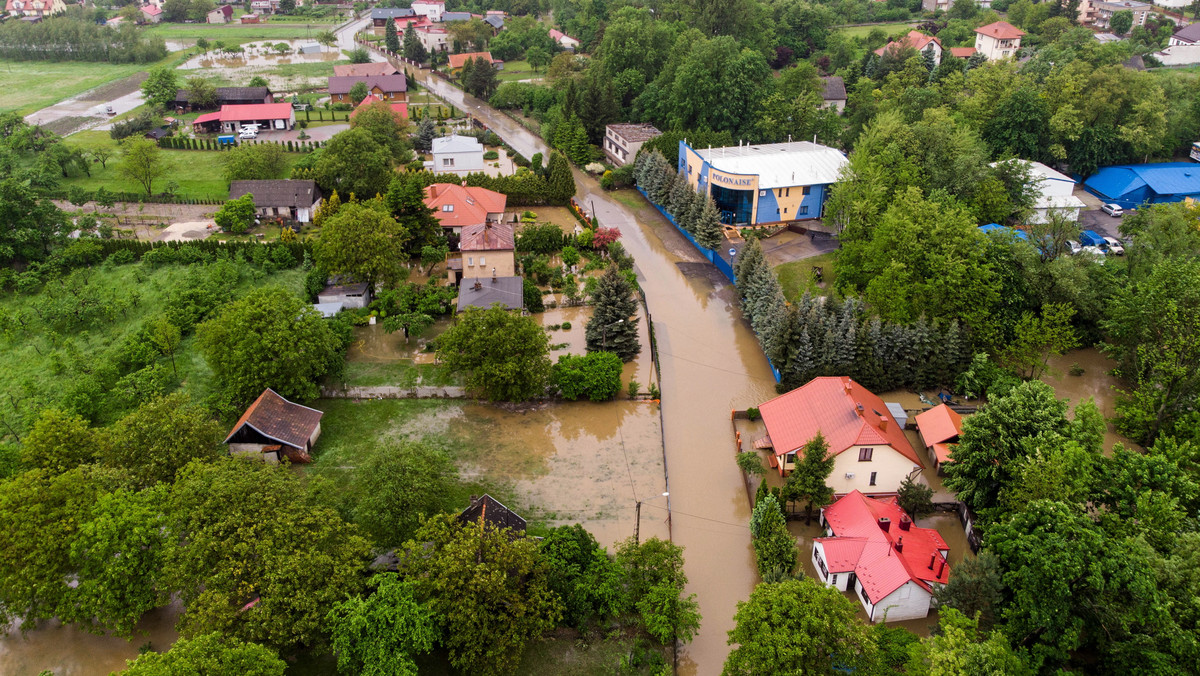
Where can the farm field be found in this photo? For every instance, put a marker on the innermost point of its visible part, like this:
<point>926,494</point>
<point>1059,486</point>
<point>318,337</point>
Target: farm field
<point>29,86</point>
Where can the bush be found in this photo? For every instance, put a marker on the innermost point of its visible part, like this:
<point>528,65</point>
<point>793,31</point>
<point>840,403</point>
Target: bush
<point>491,155</point>
<point>532,296</point>
<point>596,376</point>
<point>753,414</point>
<point>566,326</point>
<point>540,238</point>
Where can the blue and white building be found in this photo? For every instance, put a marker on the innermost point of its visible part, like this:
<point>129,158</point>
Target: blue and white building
<point>1129,186</point>
<point>765,183</point>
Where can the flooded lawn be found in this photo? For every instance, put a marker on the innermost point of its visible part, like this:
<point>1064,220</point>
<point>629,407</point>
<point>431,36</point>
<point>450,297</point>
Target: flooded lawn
<point>1095,382</point>
<point>261,54</point>
<point>570,462</point>
<point>67,651</point>
<point>378,358</point>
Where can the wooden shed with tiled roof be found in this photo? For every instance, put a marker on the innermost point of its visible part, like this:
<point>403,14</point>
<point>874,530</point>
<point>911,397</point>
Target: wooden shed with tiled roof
<point>274,428</point>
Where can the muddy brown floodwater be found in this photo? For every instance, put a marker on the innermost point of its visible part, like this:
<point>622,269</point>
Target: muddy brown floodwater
<point>67,651</point>
<point>1096,382</point>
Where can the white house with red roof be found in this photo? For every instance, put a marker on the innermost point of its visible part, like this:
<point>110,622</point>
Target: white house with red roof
<point>872,453</point>
<point>873,549</point>
<point>565,41</point>
<point>918,41</point>
<point>998,40</point>
<point>151,13</point>
<point>39,9</point>
<point>429,8</point>
<point>456,206</point>
<point>231,117</point>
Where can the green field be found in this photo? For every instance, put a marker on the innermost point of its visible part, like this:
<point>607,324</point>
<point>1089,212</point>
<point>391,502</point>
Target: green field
<point>29,86</point>
<point>236,33</point>
<point>796,277</point>
<point>519,70</point>
<point>894,28</point>
<point>198,172</point>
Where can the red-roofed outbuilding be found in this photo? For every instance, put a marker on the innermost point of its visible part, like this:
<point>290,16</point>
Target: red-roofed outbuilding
<point>939,428</point>
<point>873,549</point>
<point>872,453</point>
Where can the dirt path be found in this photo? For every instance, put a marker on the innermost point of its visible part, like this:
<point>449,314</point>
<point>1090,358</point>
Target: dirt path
<point>711,363</point>
<point>86,110</point>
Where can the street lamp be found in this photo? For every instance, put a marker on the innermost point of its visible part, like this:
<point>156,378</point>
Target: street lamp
<point>637,528</point>
<point>604,333</point>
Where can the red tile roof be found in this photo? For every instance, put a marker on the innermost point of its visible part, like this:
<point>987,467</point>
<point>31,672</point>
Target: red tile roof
<point>914,39</point>
<point>939,424</point>
<point>152,10</point>
<point>280,420</point>
<point>487,237</point>
<point>1000,30</point>
<point>457,60</point>
<point>401,108</point>
<point>364,69</point>
<point>208,117</point>
<point>962,52</point>
<point>470,206</point>
<point>829,405</point>
<point>878,564</point>
<point>255,111</point>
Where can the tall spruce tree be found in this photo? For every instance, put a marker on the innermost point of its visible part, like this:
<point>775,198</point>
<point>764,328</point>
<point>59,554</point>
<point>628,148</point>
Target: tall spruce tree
<point>390,38</point>
<point>691,212</point>
<point>426,132</point>
<point>413,49</point>
<point>561,182</point>
<point>708,225</point>
<point>807,482</point>
<point>774,546</point>
<point>613,326</point>
<point>679,197</point>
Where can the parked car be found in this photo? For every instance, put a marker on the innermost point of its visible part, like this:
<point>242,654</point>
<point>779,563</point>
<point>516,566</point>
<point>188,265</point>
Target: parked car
<point>248,133</point>
<point>1091,238</point>
<point>109,110</point>
<point>1076,247</point>
<point>1114,246</point>
<point>1112,210</point>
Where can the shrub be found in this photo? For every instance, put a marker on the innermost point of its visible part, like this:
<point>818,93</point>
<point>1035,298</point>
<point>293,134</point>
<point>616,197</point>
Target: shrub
<point>491,155</point>
<point>532,296</point>
<point>566,326</point>
<point>596,376</point>
<point>752,413</point>
<point>633,389</point>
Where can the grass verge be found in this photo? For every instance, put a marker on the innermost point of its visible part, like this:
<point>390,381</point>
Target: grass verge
<point>796,277</point>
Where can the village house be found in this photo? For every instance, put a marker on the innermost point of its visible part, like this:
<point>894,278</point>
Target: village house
<point>487,510</point>
<point>1054,193</point>
<point>380,16</point>
<point>433,37</point>
<point>274,428</point>
<point>1188,35</point>
<point>429,8</point>
<point>872,453</point>
<point>226,96</point>
<point>457,61</point>
<point>484,292</point>
<point>458,155</point>
<point>248,18</point>
<point>151,13</point>
<point>338,295</point>
<point>289,198</point>
<point>364,69</point>
<point>400,109</point>
<point>34,9</point>
<point>998,40</point>
<point>1103,12</point>
<point>962,52</point>
<point>623,141</point>
<point>563,40</point>
<point>833,92</point>
<point>872,548</point>
<point>939,428</point>
<point>231,118</point>
<point>485,250</point>
<point>921,42</point>
<point>222,14</point>
<point>390,87</point>
<point>456,206</point>
<point>495,19</point>
<point>448,17</point>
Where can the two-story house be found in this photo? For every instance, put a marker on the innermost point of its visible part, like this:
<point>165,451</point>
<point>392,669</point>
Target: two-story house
<point>623,141</point>
<point>999,40</point>
<point>458,155</point>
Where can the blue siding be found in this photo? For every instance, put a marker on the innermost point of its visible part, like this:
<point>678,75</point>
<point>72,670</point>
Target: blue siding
<point>767,208</point>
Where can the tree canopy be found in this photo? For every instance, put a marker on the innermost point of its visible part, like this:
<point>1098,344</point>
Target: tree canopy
<point>503,355</point>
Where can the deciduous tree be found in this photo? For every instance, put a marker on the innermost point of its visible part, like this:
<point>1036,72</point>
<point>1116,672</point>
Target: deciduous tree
<point>254,162</point>
<point>142,162</point>
<point>397,485</point>
<point>595,376</point>
<point>59,441</point>
<point>213,654</point>
<point>378,635</point>
<point>364,242</point>
<point>774,546</point>
<point>354,164</point>
<point>504,355</point>
<point>160,437</point>
<point>160,88</point>
<point>237,215</point>
<point>655,584</point>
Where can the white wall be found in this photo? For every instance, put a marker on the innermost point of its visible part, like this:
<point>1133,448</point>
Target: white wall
<point>838,580</point>
<point>909,602</point>
<point>889,465</point>
<point>464,163</point>
<point>1179,55</point>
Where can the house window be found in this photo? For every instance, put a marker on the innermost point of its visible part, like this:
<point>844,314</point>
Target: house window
<point>789,193</point>
<point>873,474</point>
<point>863,593</point>
<point>482,261</point>
<point>864,454</point>
<point>821,565</point>
<point>785,211</point>
<point>834,580</point>
<point>447,207</point>
<point>805,189</point>
<point>802,211</point>
<point>447,161</point>
<point>470,261</point>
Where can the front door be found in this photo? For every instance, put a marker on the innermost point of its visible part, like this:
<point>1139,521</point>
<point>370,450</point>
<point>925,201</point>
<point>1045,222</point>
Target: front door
<point>850,581</point>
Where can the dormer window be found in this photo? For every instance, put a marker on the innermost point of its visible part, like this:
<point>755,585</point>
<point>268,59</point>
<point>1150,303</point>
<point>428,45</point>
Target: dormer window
<point>447,207</point>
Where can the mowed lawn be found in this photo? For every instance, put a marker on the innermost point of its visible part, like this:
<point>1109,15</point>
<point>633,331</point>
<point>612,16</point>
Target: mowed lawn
<point>198,172</point>
<point>894,28</point>
<point>29,86</point>
<point>796,277</point>
<point>237,33</point>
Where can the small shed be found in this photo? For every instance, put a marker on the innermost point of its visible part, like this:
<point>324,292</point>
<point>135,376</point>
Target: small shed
<point>328,310</point>
<point>488,510</point>
<point>273,428</point>
<point>484,292</point>
<point>348,295</point>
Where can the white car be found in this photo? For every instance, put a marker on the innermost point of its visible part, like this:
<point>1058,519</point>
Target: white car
<point>1112,210</point>
<point>1093,250</point>
<point>248,133</point>
<point>1076,247</point>
<point>1114,246</point>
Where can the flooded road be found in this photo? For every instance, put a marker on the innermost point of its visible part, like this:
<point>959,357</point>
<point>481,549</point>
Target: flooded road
<point>710,363</point>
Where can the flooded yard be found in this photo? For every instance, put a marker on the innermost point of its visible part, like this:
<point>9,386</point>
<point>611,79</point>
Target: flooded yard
<point>263,54</point>
<point>67,651</point>
<point>1096,382</point>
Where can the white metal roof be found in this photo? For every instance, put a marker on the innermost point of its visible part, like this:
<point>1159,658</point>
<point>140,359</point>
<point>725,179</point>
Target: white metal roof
<point>780,165</point>
<point>456,144</point>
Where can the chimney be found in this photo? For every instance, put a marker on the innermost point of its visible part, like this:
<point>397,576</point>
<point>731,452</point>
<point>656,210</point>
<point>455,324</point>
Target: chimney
<point>900,544</point>
<point>932,558</point>
<point>905,523</point>
<point>858,408</point>
<point>478,285</point>
<point>885,523</point>
<point>847,386</point>
<point>882,424</point>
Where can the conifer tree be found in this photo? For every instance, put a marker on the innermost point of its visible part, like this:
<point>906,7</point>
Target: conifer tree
<point>679,197</point>
<point>426,132</point>
<point>662,194</point>
<point>390,38</point>
<point>691,212</point>
<point>708,226</point>
<point>328,208</point>
<point>560,181</point>
<point>807,482</point>
<point>613,326</point>
<point>774,546</point>
<point>413,49</point>
<point>651,175</point>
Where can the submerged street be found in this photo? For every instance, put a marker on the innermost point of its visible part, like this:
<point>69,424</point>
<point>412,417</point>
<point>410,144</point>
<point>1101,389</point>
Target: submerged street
<point>711,363</point>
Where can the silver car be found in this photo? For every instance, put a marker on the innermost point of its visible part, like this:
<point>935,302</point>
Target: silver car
<point>1114,246</point>
<point>1112,210</point>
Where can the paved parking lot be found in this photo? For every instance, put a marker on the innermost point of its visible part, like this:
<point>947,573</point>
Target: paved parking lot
<point>1094,219</point>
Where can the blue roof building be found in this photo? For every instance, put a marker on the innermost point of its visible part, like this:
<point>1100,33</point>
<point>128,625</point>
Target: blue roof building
<point>1132,185</point>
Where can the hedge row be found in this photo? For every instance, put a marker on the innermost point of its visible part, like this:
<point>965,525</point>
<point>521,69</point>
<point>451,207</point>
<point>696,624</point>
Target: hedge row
<point>186,143</point>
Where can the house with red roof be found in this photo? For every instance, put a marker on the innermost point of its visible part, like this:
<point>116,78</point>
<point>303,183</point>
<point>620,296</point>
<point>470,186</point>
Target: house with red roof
<point>998,40</point>
<point>457,61</point>
<point>457,206</point>
<point>273,428</point>
<point>151,13</point>
<point>962,52</point>
<point>231,117</point>
<point>872,453</point>
<point>34,9</point>
<point>565,41</point>
<point>398,108</point>
<point>919,41</point>
<point>872,548</point>
<point>939,428</point>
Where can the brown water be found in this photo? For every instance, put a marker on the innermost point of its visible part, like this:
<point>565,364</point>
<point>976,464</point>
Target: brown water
<point>67,651</point>
<point>372,344</point>
<point>1096,382</point>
